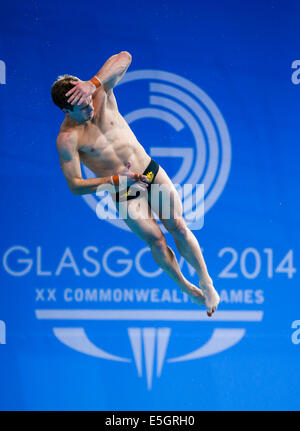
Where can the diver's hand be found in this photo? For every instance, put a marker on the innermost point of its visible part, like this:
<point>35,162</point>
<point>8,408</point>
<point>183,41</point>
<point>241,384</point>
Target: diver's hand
<point>126,178</point>
<point>80,91</point>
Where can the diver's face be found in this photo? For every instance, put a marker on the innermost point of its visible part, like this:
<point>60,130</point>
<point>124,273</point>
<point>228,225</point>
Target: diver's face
<point>83,112</point>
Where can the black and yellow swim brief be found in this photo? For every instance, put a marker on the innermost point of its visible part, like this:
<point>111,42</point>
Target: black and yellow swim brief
<point>150,172</point>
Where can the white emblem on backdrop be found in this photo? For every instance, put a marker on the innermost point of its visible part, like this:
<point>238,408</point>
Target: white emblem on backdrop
<point>181,103</point>
<point>149,344</point>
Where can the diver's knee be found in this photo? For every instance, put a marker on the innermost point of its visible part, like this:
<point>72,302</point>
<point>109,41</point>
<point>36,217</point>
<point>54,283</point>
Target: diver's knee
<point>177,227</point>
<point>157,242</point>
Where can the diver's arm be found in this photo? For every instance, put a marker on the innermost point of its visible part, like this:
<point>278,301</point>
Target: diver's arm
<point>108,77</point>
<point>114,69</point>
<point>70,165</point>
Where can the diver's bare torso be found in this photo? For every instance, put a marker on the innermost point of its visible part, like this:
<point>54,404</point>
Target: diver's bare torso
<point>106,143</point>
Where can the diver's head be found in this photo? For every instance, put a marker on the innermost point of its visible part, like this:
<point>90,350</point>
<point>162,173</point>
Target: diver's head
<point>79,113</point>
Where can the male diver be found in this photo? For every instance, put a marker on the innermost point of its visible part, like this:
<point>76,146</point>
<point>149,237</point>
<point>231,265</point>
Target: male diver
<point>94,133</point>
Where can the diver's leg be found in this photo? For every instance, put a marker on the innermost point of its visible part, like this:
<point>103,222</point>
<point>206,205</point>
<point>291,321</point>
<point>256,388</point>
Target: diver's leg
<point>185,240</point>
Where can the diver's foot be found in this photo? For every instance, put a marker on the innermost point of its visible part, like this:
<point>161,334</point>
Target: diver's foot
<point>211,297</point>
<point>195,294</point>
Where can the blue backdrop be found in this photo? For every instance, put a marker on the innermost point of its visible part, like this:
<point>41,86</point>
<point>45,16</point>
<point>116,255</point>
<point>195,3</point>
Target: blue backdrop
<point>89,322</point>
